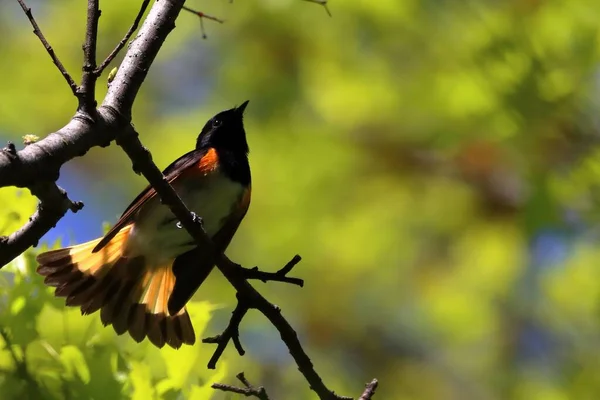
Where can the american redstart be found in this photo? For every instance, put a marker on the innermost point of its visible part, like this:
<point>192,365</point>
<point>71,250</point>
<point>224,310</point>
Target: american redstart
<point>142,273</point>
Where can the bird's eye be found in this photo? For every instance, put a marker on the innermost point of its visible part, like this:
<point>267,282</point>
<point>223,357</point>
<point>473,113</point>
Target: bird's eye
<point>217,123</point>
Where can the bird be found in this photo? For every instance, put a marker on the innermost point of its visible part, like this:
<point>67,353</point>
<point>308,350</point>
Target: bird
<point>143,272</point>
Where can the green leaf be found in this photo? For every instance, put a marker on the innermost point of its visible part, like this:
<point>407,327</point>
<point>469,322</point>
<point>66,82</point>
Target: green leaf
<point>206,391</point>
<point>142,381</point>
<point>74,363</point>
<point>17,305</point>
<point>17,206</point>
<point>183,362</point>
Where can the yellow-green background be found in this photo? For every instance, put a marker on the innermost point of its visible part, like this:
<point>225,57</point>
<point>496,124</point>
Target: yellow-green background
<point>434,162</point>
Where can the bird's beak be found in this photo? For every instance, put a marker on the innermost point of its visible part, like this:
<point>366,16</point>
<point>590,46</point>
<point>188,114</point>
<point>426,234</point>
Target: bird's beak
<point>242,107</point>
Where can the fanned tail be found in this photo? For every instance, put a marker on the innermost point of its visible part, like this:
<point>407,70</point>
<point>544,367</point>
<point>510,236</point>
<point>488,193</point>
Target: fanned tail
<point>131,295</point>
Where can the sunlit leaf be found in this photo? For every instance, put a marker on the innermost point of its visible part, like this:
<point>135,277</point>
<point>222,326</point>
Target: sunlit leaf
<point>141,381</point>
<point>74,363</point>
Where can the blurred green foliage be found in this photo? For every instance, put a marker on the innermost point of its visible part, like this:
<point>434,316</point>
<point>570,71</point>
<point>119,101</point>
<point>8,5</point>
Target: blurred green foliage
<point>50,352</point>
<point>434,162</point>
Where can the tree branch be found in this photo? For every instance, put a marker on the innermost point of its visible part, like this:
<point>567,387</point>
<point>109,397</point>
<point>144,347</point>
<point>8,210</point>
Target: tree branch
<point>279,276</point>
<point>40,35</point>
<point>38,165</point>
<point>53,205</point>
<point>245,304</point>
<point>40,162</point>
<point>232,332</point>
<point>260,393</point>
<point>142,51</point>
<point>87,90</point>
<point>202,15</point>
<point>249,390</point>
<point>322,3</point>
<point>142,161</point>
<point>369,390</point>
<point>121,44</point>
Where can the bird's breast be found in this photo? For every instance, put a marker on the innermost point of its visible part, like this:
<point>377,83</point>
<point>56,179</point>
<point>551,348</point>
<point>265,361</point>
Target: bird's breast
<point>156,234</point>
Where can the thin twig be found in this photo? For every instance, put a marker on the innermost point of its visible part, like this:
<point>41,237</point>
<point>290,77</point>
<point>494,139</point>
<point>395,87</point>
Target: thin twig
<point>248,389</point>
<point>202,15</point>
<point>279,276</point>
<point>49,49</point>
<point>232,332</point>
<point>140,54</point>
<point>260,393</point>
<point>369,390</point>
<point>87,90</point>
<point>121,44</point>
<point>322,3</point>
<point>244,304</point>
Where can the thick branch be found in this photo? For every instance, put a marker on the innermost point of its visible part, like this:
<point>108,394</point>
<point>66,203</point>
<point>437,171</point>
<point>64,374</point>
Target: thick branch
<point>142,51</point>
<point>40,162</point>
<point>54,204</point>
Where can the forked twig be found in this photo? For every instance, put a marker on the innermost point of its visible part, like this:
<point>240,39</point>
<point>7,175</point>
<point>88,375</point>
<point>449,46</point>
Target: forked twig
<point>121,44</point>
<point>248,389</point>
<point>38,32</point>
<point>202,15</point>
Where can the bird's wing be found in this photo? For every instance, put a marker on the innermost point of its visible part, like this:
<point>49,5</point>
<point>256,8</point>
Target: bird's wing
<point>202,158</point>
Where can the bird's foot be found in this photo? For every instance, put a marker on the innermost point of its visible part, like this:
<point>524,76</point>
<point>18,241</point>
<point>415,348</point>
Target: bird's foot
<point>197,219</point>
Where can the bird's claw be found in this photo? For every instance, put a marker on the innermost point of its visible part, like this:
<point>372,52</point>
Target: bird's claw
<point>195,218</point>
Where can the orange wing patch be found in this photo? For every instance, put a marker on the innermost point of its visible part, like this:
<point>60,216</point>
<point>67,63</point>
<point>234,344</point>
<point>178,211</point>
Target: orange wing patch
<point>209,162</point>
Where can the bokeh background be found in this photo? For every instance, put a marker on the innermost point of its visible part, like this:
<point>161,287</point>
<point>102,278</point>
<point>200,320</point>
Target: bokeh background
<point>436,164</point>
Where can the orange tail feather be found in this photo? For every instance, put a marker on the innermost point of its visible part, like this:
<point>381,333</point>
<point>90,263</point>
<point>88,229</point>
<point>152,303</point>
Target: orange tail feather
<point>131,295</point>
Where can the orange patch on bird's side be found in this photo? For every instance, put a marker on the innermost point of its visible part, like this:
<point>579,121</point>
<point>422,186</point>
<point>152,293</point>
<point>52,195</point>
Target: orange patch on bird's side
<point>209,162</point>
<point>246,198</point>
